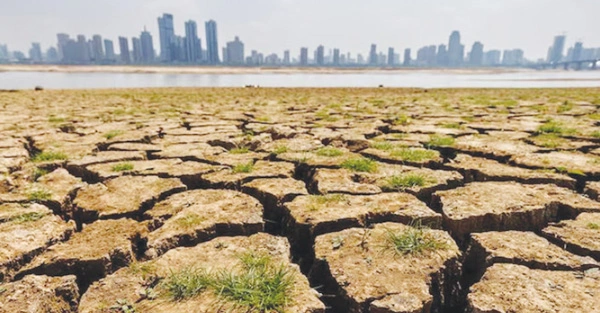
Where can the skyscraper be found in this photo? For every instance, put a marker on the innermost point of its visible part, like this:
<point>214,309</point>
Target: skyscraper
<point>235,52</point>
<point>320,55</point>
<point>98,50</point>
<point>166,34</point>
<point>193,48</point>
<point>456,50</point>
<point>62,39</point>
<point>110,49</point>
<point>35,53</point>
<point>83,52</point>
<point>390,57</point>
<point>51,55</point>
<point>286,57</point>
<point>442,55</point>
<point>147,47</point>
<point>138,57</point>
<point>212,46</point>
<point>336,57</point>
<point>373,55</point>
<point>555,53</point>
<point>124,47</point>
<point>476,55</point>
<point>407,57</point>
<point>304,56</point>
<point>577,51</point>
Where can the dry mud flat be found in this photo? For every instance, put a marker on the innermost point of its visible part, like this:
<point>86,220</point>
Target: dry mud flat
<point>300,200</point>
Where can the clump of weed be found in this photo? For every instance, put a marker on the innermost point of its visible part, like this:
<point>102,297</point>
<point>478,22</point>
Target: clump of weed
<point>239,150</point>
<point>280,149</point>
<point>186,283</point>
<point>122,167</point>
<point>400,182</point>
<point>244,168</point>
<point>37,173</point>
<point>39,195</point>
<point>566,106</point>
<point>190,220</point>
<point>548,140</point>
<point>47,156</point>
<point>595,134</point>
<point>554,127</point>
<point>329,152</point>
<point>360,165</point>
<point>440,141</point>
<point>27,217</point>
<point>593,226</point>
<point>318,201</point>
<point>413,240</point>
<point>452,126</point>
<point>112,134</point>
<point>383,145</point>
<point>413,155</point>
<point>55,119</point>
<point>402,119</point>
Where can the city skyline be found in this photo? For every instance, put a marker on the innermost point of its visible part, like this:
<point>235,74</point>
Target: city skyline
<point>278,25</point>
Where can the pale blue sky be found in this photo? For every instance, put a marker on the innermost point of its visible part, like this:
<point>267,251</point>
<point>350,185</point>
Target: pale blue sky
<point>351,25</point>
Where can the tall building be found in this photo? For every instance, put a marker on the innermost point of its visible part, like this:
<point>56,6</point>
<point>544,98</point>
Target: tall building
<point>336,57</point>
<point>98,49</point>
<point>83,51</point>
<point>235,52</point>
<point>577,51</point>
<point>51,55</point>
<point>427,56</point>
<point>373,55</point>
<point>35,53</point>
<point>512,57</point>
<point>147,47</point>
<point>390,57</point>
<point>476,55</point>
<point>109,49</point>
<point>492,58</point>
<point>138,57</point>
<point>555,53</point>
<point>62,40</point>
<point>124,48</point>
<point>166,33</point>
<point>320,55</point>
<point>193,47</point>
<point>212,46</point>
<point>304,56</point>
<point>456,50</point>
<point>286,57</point>
<point>406,57</point>
<point>442,55</point>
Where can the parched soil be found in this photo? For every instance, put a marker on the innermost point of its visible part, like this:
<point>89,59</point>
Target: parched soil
<point>300,200</point>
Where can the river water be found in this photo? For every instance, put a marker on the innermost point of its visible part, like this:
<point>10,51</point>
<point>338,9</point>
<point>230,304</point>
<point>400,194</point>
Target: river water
<point>416,78</point>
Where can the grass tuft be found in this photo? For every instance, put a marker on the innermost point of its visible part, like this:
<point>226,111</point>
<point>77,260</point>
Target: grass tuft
<point>112,134</point>
<point>554,127</point>
<point>414,155</point>
<point>239,150</point>
<point>280,149</point>
<point>243,168</point>
<point>593,226</point>
<point>413,240</point>
<point>47,156</point>
<point>318,201</point>
<point>360,165</point>
<point>37,173</point>
<point>39,195</point>
<point>383,145</point>
<point>28,217</point>
<point>186,283</point>
<point>190,220</point>
<point>405,181</point>
<point>329,152</point>
<point>122,167</point>
<point>440,141</point>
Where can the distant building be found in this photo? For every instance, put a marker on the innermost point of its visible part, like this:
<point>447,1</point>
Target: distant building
<point>83,50</point>
<point>390,60</point>
<point>320,56</point>
<point>360,59</point>
<point>51,55</point>
<point>456,50</point>
<point>147,47</point>
<point>442,55</point>
<point>272,59</point>
<point>513,57</point>
<point>35,53</point>
<point>427,56</point>
<point>555,52</point>
<point>304,56</point>
<point>166,33</point>
<point>98,49</point>
<point>212,46</point>
<point>286,57</point>
<point>373,55</point>
<point>476,55</point>
<point>109,49</point>
<point>577,51</point>
<point>138,57</point>
<point>62,41</point>
<point>234,52</point>
<point>193,47</point>
<point>124,47</point>
<point>492,58</point>
<point>336,57</point>
<point>406,57</point>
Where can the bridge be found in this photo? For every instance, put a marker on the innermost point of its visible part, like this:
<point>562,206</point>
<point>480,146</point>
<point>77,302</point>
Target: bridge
<point>577,65</point>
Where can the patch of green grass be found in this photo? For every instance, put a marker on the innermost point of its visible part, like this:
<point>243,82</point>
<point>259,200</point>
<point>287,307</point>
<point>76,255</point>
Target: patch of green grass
<point>452,126</point>
<point>360,165</point>
<point>280,149</point>
<point>37,173</point>
<point>239,150</point>
<point>190,220</point>
<point>122,167</point>
<point>413,240</point>
<point>595,134</point>
<point>263,119</point>
<point>594,116</point>
<point>564,170</point>
<point>400,182</point>
<point>318,201</point>
<point>554,127</point>
<point>329,152</point>
<point>402,119</point>
<point>47,156</point>
<point>565,107</point>
<point>27,217</point>
<point>112,134</point>
<point>55,119</point>
<point>244,168</point>
<point>383,145</point>
<point>256,285</point>
<point>440,141</point>
<point>548,140</point>
<point>593,226</point>
<point>413,155</point>
<point>39,195</point>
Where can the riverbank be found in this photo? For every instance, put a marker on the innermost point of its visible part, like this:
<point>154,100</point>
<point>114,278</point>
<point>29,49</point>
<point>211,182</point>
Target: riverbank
<point>240,70</point>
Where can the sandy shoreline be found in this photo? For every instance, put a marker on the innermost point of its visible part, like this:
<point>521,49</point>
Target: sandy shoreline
<point>238,70</point>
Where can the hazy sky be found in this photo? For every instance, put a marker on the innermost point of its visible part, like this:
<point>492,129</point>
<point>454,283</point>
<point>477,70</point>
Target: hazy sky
<point>351,25</point>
